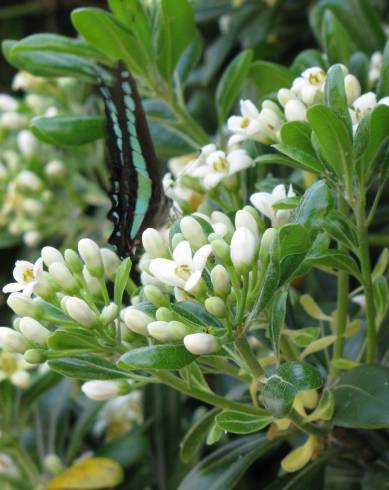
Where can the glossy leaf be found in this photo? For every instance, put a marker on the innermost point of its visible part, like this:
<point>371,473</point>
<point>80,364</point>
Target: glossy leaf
<point>337,260</point>
<point>223,469</point>
<point>270,77</point>
<point>277,320</point>
<point>294,243</point>
<point>307,59</point>
<point>196,435</point>
<point>359,66</point>
<point>87,367</point>
<point>242,423</point>
<point>282,387</point>
<point>341,229</point>
<point>195,314</point>
<point>337,41</point>
<point>121,279</point>
<point>362,398</point>
<point>68,130</point>
<point>383,82</point>
<point>72,338</point>
<point>335,94</point>
<point>164,356</point>
<point>231,82</point>
<point>91,473</point>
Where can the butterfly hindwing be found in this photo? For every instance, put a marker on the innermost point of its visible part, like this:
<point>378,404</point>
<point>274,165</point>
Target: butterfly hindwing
<point>136,192</point>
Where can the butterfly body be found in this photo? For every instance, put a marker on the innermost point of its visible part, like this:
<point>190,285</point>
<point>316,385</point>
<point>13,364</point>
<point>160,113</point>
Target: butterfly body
<point>136,194</point>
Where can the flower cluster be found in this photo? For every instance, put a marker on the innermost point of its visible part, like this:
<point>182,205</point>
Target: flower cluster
<point>41,187</point>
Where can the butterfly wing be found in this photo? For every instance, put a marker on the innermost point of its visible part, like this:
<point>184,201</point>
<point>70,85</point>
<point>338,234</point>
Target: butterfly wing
<point>136,192</point>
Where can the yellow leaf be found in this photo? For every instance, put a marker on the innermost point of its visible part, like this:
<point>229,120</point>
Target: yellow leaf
<point>318,345</point>
<point>312,308</point>
<point>91,473</point>
<point>353,327</point>
<point>300,456</point>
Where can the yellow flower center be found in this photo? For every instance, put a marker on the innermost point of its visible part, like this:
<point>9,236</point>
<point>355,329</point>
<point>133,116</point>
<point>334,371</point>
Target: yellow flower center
<point>245,122</point>
<point>28,275</point>
<point>316,78</point>
<point>220,165</point>
<point>183,271</point>
<point>8,363</point>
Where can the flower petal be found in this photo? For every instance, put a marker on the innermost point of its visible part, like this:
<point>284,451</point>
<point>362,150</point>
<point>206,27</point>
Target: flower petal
<point>182,254</point>
<point>164,271</point>
<point>201,256</point>
<point>193,281</point>
<point>213,179</point>
<point>12,287</point>
<point>263,202</point>
<point>238,160</point>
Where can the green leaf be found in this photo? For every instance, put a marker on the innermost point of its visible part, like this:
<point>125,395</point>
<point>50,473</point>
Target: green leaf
<point>195,314</point>
<point>338,44</point>
<point>57,43</point>
<point>304,161</point>
<point>316,202</point>
<point>189,58</point>
<point>334,139</point>
<point>107,35</point>
<point>287,203</point>
<point>304,336</point>
<point>176,29</point>
<point>309,478</point>
<point>164,356</point>
<point>270,158</point>
<point>282,387</point>
<point>223,469</point>
<point>307,59</point>
<point>87,367</point>
<point>335,95</point>
<point>277,320</point>
<point>381,298</point>
<point>231,82</point>
<point>270,77</point>
<point>73,338</point>
<point>334,259</point>
<point>341,229</point>
<point>242,423</point>
<point>359,67</point>
<point>362,398</point>
<point>68,130</point>
<point>294,243</point>
<point>196,435</point>
<point>383,82</point>
<point>121,279</point>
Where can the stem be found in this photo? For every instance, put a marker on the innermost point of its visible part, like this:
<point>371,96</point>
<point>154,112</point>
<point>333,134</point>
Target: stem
<point>243,299</point>
<point>308,428</point>
<point>364,257</point>
<point>251,361</point>
<point>206,396</point>
<point>341,310</point>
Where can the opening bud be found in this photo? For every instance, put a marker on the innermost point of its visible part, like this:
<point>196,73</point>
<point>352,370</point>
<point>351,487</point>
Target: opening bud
<point>12,341</point>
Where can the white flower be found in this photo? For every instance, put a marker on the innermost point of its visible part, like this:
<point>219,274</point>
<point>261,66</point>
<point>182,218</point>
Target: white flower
<point>14,368</point>
<point>201,343</point>
<point>12,341</point>
<point>13,120</point>
<point>55,169</point>
<point>32,238</point>
<point>8,103</point>
<point>264,202</point>
<point>295,110</point>
<point>185,270</point>
<point>364,104</point>
<point>27,143</point>
<point>29,180</point>
<point>218,166</point>
<point>25,274</point>
<point>244,247</point>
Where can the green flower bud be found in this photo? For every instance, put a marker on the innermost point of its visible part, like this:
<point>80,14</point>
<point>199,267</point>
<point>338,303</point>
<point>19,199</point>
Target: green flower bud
<point>221,250</point>
<point>220,280</point>
<point>164,314</point>
<point>35,356</point>
<point>73,261</point>
<point>109,313</point>
<point>216,306</point>
<point>155,296</point>
<point>177,238</point>
<point>266,243</point>
<point>193,232</point>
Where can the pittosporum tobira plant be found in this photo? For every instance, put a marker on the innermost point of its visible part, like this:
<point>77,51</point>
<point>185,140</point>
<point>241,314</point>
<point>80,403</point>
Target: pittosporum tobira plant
<point>259,296</point>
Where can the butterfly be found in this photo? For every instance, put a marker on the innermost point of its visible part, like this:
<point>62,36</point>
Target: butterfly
<point>136,193</point>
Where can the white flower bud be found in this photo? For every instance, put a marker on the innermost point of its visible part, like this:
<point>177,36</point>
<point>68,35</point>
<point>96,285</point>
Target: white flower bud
<point>21,379</point>
<point>12,341</point>
<point>284,95</point>
<point>177,238</point>
<point>177,330</point>
<point>164,314</point>
<point>32,238</point>
<point>154,244</point>
<point>109,313</point>
<point>33,330</point>
<point>295,111</point>
<point>51,255</point>
<point>193,232</point>
<point>33,207</point>
<point>244,219</point>
<point>91,282</point>
<point>29,180</point>
<point>27,143</point>
<point>244,248</point>
<point>221,218</point>
<point>155,296</point>
<point>352,88</point>
<point>136,320</point>
<point>101,390</point>
<point>55,169</point>
<point>24,306</point>
<point>201,343</point>
<point>221,250</point>
<point>220,280</point>
<point>110,262</point>
<point>91,255</point>
<point>63,277</point>
<point>8,103</point>
<point>266,242</point>
<point>13,120</point>
<point>216,306</point>
<point>80,311</point>
<point>159,330</point>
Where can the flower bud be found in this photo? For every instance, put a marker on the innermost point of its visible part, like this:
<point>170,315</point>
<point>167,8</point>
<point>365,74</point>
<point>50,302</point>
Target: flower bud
<point>266,243</point>
<point>53,463</point>
<point>136,320</point>
<point>193,232</point>
<point>80,311</point>
<point>154,244</point>
<point>27,143</point>
<point>110,262</point>
<point>177,330</point>
<point>45,286</point>
<point>284,95</point>
<point>64,277</point>
<point>91,255</point>
<point>73,261</point>
<point>51,255</point>
<point>244,248</point>
<point>13,120</point>
<point>8,103</point>
<point>101,390</point>
<point>216,306</point>
<point>24,306</point>
<point>29,180</point>
<point>55,170</point>
<point>155,296</point>
<point>201,343</point>
<point>177,238</point>
<point>21,379</point>
<point>33,330</point>
<point>35,356</point>
<point>164,314</point>
<point>244,219</point>
<point>295,111</point>
<point>221,250</point>
<point>32,238</point>
<point>109,313</point>
<point>352,88</point>
<point>91,282</point>
<point>159,330</point>
<point>220,280</point>
<point>12,341</point>
<point>221,218</point>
